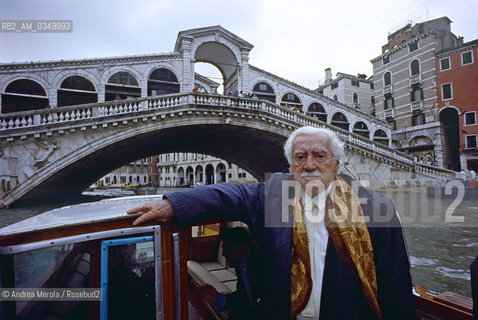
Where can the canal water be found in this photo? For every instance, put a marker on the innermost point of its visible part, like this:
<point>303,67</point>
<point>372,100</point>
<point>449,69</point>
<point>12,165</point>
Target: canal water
<point>442,235</point>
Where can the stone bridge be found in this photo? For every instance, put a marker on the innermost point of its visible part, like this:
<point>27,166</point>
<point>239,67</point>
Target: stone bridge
<point>63,150</point>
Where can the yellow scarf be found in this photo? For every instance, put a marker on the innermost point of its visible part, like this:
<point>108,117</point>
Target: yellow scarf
<point>350,237</point>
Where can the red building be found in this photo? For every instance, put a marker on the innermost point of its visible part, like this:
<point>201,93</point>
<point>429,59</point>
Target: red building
<point>457,89</point>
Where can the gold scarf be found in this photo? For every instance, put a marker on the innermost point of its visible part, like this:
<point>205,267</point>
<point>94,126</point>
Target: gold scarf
<point>351,239</point>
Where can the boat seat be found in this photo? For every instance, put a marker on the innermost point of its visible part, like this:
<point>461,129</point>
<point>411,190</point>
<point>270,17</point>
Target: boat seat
<point>214,273</point>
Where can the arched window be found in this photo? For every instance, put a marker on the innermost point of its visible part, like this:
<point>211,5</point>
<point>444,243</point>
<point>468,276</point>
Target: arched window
<point>291,100</point>
<point>162,81</point>
<point>415,67</point>
<point>221,173</point>
<point>24,95</point>
<point>199,174</point>
<point>264,91</point>
<point>389,102</point>
<point>381,136</point>
<point>335,97</point>
<point>387,79</point>
<point>361,129</point>
<point>372,101</point>
<point>340,120</point>
<point>317,111</point>
<point>76,90</point>
<point>122,85</point>
<point>416,94</point>
<point>356,99</point>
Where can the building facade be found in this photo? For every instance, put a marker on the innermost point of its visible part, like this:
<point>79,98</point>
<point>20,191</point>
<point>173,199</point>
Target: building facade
<point>405,87</point>
<point>354,91</point>
<point>179,169</point>
<point>457,83</point>
<point>135,173</point>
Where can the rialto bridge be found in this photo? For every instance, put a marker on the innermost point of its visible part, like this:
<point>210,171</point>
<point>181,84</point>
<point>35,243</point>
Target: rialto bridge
<point>64,124</point>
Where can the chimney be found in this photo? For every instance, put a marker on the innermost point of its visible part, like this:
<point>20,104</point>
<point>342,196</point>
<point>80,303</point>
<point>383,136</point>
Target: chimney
<point>328,75</point>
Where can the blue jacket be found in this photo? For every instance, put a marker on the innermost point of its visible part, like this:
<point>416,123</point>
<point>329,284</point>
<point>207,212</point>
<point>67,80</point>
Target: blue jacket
<point>260,206</point>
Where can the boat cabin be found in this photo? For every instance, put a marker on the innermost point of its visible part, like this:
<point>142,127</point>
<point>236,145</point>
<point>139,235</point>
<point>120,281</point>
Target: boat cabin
<point>87,262</point>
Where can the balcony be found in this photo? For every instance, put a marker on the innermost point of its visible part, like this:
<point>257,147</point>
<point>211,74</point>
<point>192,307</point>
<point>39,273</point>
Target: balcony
<point>387,89</point>
<point>414,106</point>
<point>389,113</point>
<point>416,78</point>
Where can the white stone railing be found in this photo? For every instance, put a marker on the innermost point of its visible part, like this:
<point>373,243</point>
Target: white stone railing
<point>416,106</point>
<point>416,78</point>
<point>72,114</point>
<point>389,113</point>
<point>387,89</point>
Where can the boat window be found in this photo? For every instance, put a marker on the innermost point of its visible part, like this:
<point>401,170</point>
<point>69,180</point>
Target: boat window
<point>63,266</point>
<point>205,230</point>
<point>33,268</point>
<point>129,281</point>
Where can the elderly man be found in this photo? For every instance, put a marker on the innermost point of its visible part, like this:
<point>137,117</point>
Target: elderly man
<point>333,249</point>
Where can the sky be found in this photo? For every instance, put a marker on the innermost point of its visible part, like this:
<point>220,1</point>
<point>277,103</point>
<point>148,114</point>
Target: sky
<point>294,39</point>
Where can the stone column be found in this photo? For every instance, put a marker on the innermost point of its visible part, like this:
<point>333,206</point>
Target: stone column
<point>243,75</point>
<point>188,65</point>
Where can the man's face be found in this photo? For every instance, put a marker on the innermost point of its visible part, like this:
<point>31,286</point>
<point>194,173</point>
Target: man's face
<point>312,160</point>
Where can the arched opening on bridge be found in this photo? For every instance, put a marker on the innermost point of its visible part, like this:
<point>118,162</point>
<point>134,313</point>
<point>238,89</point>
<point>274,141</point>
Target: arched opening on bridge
<point>340,120</point>
<point>317,111</point>
<point>189,176</point>
<point>122,85</point>
<point>208,78</point>
<point>221,173</point>
<point>361,128</point>
<point>223,59</point>
<point>291,100</point>
<point>381,137</point>
<point>421,148</point>
<point>199,174</point>
<point>264,91</point>
<point>181,177</point>
<point>209,174</point>
<point>76,90</point>
<point>451,144</point>
<point>24,95</point>
<point>162,81</point>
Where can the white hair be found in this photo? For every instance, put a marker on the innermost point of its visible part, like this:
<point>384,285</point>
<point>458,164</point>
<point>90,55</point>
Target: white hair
<point>336,145</point>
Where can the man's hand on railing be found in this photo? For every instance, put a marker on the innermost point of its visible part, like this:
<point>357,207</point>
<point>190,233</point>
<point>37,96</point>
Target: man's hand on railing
<point>161,211</point>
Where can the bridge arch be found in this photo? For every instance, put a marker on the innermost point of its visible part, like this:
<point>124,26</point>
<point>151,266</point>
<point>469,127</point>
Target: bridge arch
<point>292,100</point>
<point>223,58</point>
<point>339,119</point>
<point>136,142</point>
<point>122,85</point>
<point>381,136</point>
<point>264,89</point>
<point>362,129</point>
<point>318,110</point>
<point>62,75</point>
<point>75,90</point>
<point>162,81</point>
<point>15,99</point>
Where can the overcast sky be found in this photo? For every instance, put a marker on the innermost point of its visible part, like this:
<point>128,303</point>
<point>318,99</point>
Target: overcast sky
<point>295,39</point>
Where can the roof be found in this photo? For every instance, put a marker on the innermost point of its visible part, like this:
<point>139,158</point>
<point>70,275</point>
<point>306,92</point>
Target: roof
<point>217,31</point>
<point>85,213</point>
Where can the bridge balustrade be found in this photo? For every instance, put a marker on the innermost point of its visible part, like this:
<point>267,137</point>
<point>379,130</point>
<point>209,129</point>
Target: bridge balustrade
<point>130,106</point>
